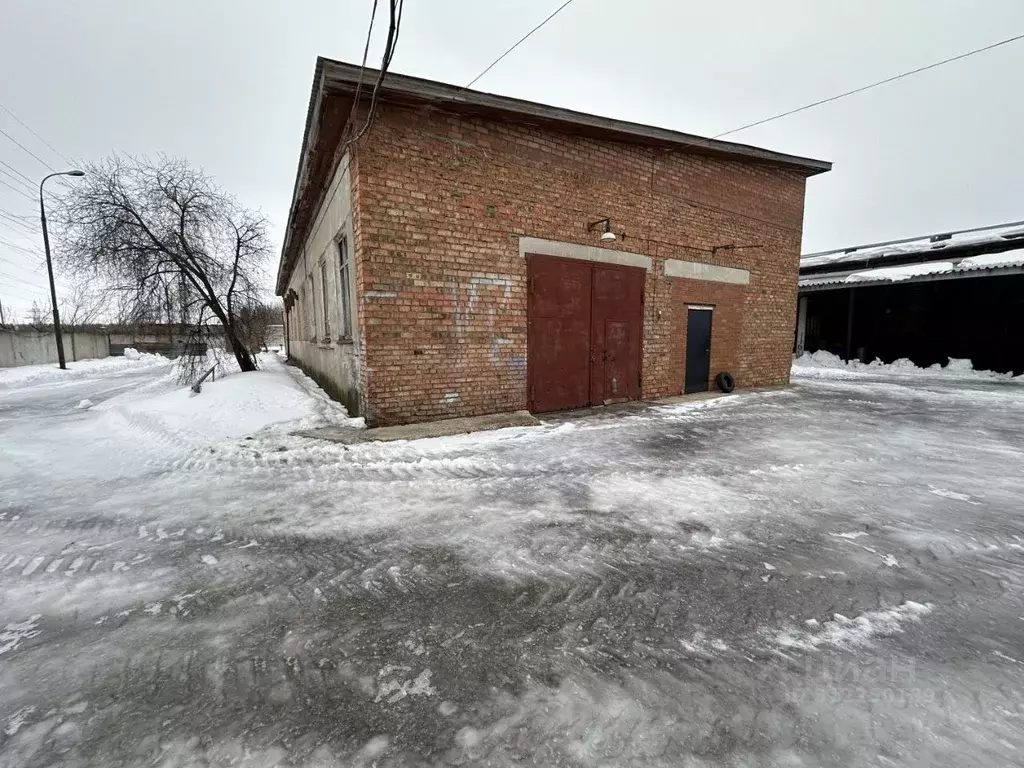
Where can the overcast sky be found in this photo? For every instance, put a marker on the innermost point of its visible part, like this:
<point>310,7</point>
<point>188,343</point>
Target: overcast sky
<point>226,83</point>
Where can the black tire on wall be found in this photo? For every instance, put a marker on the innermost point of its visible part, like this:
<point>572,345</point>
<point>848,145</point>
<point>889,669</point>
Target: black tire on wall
<point>725,382</point>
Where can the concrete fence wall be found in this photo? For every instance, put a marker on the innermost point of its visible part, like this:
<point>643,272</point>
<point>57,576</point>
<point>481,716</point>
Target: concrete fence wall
<point>27,347</point>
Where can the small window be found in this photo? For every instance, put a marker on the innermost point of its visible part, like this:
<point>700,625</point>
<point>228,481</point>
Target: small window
<point>345,288</point>
<point>324,304</point>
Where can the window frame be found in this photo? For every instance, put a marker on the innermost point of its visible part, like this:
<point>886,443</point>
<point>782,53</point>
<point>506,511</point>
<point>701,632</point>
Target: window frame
<point>325,310</point>
<point>309,307</point>
<point>345,288</point>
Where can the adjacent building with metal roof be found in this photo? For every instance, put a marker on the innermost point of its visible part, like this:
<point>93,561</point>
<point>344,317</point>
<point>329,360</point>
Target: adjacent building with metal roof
<point>920,298</point>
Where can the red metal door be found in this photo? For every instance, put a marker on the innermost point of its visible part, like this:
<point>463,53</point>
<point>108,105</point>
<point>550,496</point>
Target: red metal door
<point>616,327</point>
<point>558,333</point>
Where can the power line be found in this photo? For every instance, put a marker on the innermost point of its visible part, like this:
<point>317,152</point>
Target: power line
<point>35,256</point>
<point>31,184</point>
<point>19,190</point>
<point>41,285</point>
<point>22,267</point>
<point>22,253</point>
<point>519,42</point>
<point>16,232</point>
<point>12,169</point>
<point>15,246</point>
<point>8,220</point>
<point>29,129</point>
<point>29,151</point>
<point>34,228</point>
<point>18,179</point>
<point>362,68</point>
<point>23,216</point>
<point>27,276</point>
<point>394,29</point>
<point>21,250</point>
<point>872,85</point>
<point>24,277</point>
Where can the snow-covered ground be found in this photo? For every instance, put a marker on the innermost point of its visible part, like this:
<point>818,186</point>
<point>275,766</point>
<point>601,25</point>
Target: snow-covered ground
<point>234,406</point>
<point>829,574</point>
<point>25,375</point>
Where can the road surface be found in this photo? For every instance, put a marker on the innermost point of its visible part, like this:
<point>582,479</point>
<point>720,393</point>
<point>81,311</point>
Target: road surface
<point>828,575</point>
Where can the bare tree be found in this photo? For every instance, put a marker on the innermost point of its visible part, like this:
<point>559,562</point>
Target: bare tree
<point>84,304</point>
<point>10,318</point>
<point>38,315</point>
<point>256,320</point>
<point>168,243</point>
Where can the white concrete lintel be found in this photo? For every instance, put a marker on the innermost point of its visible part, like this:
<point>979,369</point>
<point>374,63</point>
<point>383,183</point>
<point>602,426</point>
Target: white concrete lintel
<point>694,270</point>
<point>583,252</point>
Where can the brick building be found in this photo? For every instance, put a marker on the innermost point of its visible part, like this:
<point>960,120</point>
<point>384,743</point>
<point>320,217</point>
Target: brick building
<point>459,258</point>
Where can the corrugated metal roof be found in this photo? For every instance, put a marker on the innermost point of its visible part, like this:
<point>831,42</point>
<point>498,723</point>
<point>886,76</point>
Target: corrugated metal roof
<point>937,246</point>
<point>990,263</point>
<point>993,260</point>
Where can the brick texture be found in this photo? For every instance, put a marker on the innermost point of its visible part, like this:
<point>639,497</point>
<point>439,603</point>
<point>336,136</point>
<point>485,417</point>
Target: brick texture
<point>669,368</point>
<point>441,199</point>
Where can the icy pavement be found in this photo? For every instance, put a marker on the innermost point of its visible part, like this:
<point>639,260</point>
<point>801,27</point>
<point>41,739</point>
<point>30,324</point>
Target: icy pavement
<point>829,575</point>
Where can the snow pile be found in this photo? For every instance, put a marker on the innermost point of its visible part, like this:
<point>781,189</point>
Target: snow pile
<point>897,274</point>
<point>991,260</point>
<point>843,632</point>
<point>29,375</point>
<point>823,365</point>
<point>131,353</point>
<point>959,365</point>
<point>230,407</point>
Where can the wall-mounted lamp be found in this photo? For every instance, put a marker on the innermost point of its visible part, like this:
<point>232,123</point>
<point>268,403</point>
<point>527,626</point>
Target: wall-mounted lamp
<point>607,235</point>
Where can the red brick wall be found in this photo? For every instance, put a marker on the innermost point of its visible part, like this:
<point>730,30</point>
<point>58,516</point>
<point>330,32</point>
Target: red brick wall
<point>726,330</point>
<point>442,199</point>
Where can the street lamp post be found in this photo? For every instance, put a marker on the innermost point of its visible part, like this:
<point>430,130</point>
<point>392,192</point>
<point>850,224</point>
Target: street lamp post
<point>49,265</point>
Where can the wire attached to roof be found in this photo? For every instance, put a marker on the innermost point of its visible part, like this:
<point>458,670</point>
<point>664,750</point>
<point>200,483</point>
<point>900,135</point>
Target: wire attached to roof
<point>394,28</point>
<point>362,67</point>
<point>519,42</point>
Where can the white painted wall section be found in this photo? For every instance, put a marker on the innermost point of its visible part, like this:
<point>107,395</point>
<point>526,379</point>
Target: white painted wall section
<point>334,362</point>
<point>582,252</point>
<point>694,270</point>
<point>673,267</point>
